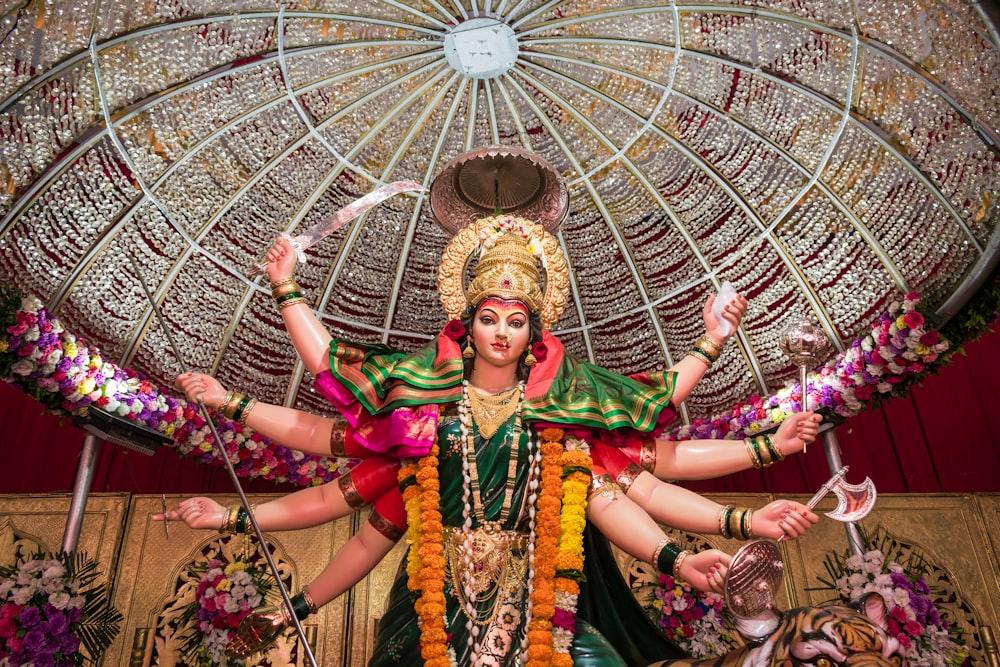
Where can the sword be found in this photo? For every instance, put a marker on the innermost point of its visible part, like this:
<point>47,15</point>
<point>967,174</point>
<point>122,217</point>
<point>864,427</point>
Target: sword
<point>338,219</point>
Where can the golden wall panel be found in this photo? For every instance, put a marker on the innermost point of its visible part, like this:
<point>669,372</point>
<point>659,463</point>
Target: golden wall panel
<point>152,563</point>
<point>32,522</point>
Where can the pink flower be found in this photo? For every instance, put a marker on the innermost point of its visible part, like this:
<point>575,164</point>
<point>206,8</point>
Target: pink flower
<point>913,319</point>
<point>539,350</point>
<point>929,338</point>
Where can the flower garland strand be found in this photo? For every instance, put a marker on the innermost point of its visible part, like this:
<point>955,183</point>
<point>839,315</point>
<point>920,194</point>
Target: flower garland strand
<point>576,474</point>
<point>430,565</point>
<point>66,375</point>
<point>543,597</point>
<point>896,352</point>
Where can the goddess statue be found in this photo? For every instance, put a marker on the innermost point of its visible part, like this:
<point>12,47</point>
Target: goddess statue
<point>506,462</point>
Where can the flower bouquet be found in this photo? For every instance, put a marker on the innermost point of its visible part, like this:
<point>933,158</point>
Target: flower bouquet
<point>914,619</point>
<point>226,594</point>
<point>50,606</point>
<point>692,619</point>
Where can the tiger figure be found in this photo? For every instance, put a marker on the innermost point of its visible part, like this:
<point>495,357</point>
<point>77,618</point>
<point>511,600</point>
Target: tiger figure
<point>830,636</point>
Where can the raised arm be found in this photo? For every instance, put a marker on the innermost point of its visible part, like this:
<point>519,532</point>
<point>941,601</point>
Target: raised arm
<point>693,366</point>
<point>309,336</point>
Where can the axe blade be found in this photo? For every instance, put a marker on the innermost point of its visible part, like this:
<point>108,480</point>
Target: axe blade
<point>854,501</point>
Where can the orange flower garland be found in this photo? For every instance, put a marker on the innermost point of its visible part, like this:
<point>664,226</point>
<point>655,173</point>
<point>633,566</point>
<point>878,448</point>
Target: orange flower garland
<point>543,597</point>
<point>430,562</point>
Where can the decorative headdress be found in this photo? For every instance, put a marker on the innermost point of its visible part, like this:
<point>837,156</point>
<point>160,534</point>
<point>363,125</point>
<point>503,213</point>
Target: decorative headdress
<point>509,250</point>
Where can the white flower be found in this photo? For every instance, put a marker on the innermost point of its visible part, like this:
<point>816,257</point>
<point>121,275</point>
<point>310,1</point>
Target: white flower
<point>23,367</point>
<point>59,600</point>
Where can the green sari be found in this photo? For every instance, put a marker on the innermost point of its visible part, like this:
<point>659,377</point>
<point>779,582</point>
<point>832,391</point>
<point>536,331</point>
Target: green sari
<point>398,639</point>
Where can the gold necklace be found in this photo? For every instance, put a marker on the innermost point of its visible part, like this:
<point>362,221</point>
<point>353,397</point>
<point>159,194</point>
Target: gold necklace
<point>490,411</point>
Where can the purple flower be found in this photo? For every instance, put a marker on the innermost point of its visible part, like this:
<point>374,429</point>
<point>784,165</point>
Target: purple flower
<point>34,640</point>
<point>69,644</point>
<point>29,617</point>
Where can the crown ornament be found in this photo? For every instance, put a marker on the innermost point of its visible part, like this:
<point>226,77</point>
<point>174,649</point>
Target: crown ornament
<point>510,250</point>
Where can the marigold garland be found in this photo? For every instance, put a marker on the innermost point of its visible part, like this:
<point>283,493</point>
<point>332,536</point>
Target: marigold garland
<point>543,596</point>
<point>576,466</point>
<point>427,560</point>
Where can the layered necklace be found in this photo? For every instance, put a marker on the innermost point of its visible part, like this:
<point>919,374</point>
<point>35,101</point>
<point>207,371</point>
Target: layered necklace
<point>485,557</point>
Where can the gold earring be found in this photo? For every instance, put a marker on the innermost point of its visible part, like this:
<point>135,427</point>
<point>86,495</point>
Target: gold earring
<point>469,352</point>
<point>530,360</point>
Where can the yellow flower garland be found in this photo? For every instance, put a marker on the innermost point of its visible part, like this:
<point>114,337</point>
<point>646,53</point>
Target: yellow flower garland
<point>576,467</point>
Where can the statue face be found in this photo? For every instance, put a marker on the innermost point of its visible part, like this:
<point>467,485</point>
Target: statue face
<point>500,332</point>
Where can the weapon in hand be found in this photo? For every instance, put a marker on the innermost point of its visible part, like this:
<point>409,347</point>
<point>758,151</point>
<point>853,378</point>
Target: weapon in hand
<point>335,221</point>
<point>854,501</point>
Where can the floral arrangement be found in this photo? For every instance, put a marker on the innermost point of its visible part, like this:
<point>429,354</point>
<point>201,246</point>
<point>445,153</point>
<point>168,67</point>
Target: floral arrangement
<point>925,638</point>
<point>692,619</point>
<point>226,594</point>
<point>897,351</point>
<point>49,607</point>
<point>58,368</point>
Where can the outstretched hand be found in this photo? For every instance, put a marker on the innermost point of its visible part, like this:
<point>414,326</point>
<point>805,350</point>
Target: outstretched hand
<point>797,431</point>
<point>782,519</point>
<point>281,260</point>
<point>196,512</point>
<point>193,385</point>
<point>732,313</point>
<point>706,570</point>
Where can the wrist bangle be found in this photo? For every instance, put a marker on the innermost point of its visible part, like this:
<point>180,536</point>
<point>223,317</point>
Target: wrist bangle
<point>772,449</point>
<point>303,605</point>
<point>711,344</point>
<point>751,451</point>
<point>232,405</point>
<point>298,298</point>
<point>242,420</point>
<point>666,555</point>
<point>677,563</point>
<point>229,519</point>
<point>746,525</point>
<point>763,453</point>
<point>724,520</point>
<point>701,355</point>
<point>286,287</point>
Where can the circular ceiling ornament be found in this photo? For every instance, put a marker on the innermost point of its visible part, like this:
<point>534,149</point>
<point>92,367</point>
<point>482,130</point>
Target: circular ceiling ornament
<point>499,180</point>
<point>481,47</point>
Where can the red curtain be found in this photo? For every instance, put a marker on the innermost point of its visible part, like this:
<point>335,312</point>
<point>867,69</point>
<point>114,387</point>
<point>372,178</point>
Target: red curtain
<point>938,439</point>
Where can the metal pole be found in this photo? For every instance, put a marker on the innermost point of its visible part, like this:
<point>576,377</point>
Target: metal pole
<point>81,488</point>
<point>831,447</point>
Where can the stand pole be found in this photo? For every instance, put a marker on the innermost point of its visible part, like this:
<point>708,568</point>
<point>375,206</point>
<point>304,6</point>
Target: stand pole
<point>81,489</point>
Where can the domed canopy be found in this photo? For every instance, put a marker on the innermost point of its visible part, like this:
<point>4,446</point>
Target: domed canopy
<point>824,156</point>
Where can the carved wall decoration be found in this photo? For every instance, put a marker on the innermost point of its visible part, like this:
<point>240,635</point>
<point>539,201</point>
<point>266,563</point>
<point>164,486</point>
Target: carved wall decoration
<point>156,581</point>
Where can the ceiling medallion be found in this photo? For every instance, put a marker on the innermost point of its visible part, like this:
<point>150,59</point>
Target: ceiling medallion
<point>481,48</point>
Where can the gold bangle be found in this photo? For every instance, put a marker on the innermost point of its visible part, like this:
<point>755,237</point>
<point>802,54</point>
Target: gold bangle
<point>763,453</point>
<point>748,524</point>
<point>677,563</point>
<point>229,397</point>
<point>711,343</point>
<point>701,355</point>
<point>754,459</point>
<point>772,449</point>
<point>659,547</point>
<point>708,347</point>
<point>285,288</point>
<point>229,519</point>
<point>291,302</point>
<point>309,600</point>
<point>229,409</point>
<point>282,282</point>
<point>734,522</point>
<point>724,520</point>
<point>246,412</point>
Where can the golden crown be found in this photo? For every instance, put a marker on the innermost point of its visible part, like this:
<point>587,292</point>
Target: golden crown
<point>507,270</point>
<point>510,249</point>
